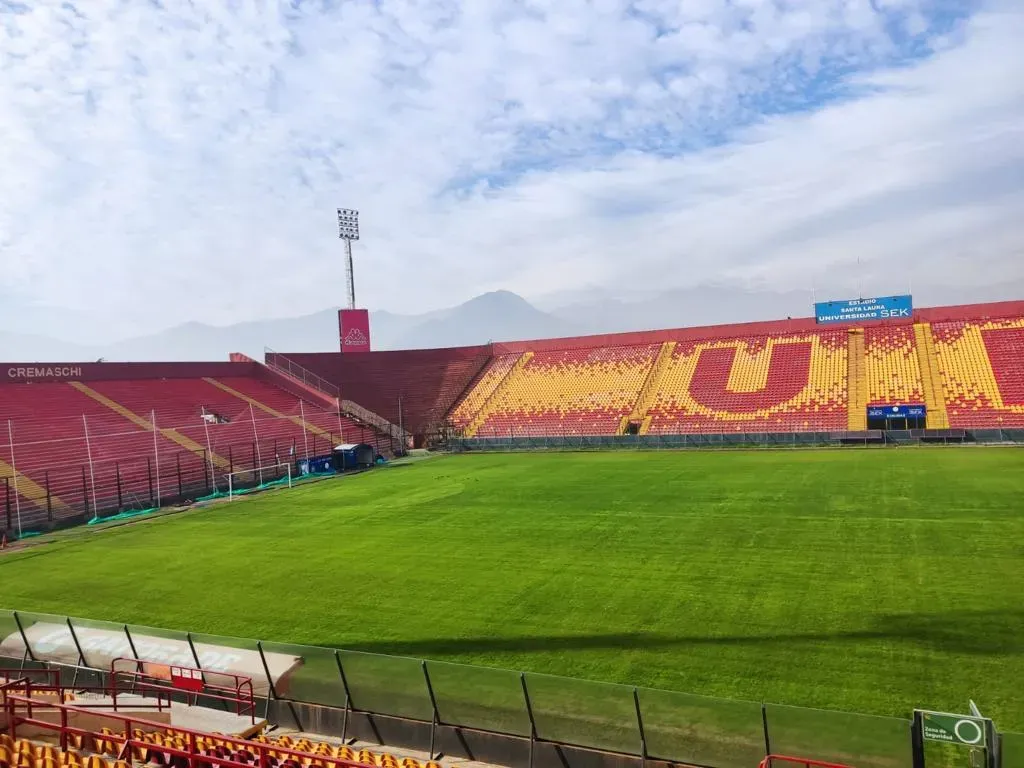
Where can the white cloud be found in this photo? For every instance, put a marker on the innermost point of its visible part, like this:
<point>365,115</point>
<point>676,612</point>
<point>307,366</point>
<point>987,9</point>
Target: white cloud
<point>178,164</point>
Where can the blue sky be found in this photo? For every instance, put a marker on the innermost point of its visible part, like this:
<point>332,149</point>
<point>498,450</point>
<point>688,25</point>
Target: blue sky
<point>188,156</point>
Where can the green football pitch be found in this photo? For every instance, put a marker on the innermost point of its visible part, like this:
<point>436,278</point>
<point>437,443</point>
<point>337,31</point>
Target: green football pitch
<point>865,580</point>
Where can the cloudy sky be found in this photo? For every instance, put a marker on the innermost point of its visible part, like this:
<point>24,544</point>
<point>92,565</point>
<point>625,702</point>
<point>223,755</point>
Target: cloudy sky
<point>168,160</point>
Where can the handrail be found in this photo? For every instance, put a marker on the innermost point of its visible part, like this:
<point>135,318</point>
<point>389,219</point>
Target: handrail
<point>261,750</point>
<point>807,762</point>
<point>241,694</point>
<point>291,368</point>
<point>288,367</point>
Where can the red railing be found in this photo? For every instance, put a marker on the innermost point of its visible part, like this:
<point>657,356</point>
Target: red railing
<point>241,753</point>
<point>193,682</point>
<point>32,690</point>
<point>767,762</point>
<point>51,677</point>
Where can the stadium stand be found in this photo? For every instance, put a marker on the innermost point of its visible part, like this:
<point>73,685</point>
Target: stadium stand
<point>156,747</point>
<point>414,388</point>
<point>114,436</point>
<point>754,383</point>
<point>580,391</point>
<point>962,363</point>
<point>130,435</point>
<point>892,367</point>
<point>981,366</point>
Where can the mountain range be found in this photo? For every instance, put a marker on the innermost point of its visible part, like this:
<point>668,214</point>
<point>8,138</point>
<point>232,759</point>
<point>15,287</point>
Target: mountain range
<point>495,316</point>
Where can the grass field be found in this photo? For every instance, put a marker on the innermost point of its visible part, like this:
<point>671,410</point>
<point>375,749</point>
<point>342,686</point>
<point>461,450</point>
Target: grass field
<point>865,580</point>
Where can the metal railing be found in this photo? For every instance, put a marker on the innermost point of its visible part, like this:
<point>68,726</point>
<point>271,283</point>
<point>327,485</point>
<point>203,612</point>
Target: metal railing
<point>289,367</point>
<point>527,438</point>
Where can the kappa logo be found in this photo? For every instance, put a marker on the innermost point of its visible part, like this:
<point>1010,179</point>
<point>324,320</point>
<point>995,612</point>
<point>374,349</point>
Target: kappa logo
<point>356,338</point>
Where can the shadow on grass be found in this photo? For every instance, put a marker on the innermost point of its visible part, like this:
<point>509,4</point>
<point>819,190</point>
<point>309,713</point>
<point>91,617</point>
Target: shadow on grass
<point>998,632</point>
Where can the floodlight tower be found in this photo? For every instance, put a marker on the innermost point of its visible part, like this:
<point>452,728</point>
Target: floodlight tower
<point>348,230</point>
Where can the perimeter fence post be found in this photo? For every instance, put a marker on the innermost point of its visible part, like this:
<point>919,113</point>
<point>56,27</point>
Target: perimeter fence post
<point>917,740</point>
<point>78,647</point>
<point>348,693</point>
<point>995,745</point>
<point>138,662</point>
<point>85,491</point>
<point>24,637</point>
<point>433,703</point>
<point>529,712</point>
<point>273,690</point>
<point>767,733</point>
<point>49,497</point>
<point>195,656</point>
<point>640,728</point>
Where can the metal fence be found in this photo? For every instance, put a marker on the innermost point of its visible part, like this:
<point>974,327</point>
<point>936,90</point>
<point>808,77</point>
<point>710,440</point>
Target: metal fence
<point>525,439</point>
<point>94,471</point>
<point>639,722</point>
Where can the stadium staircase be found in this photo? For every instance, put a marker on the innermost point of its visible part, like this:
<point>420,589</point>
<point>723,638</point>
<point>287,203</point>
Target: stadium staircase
<point>857,413</point>
<point>649,391</point>
<point>892,366</point>
<point>931,379</point>
<point>501,379</point>
<point>288,374</point>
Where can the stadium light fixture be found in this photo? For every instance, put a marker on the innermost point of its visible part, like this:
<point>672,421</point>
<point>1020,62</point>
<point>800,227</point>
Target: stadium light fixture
<point>348,230</point>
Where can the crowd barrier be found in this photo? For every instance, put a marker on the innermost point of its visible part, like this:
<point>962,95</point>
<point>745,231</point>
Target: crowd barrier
<point>523,440</point>
<point>533,709</point>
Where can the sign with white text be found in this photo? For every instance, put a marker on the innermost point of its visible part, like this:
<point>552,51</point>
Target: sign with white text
<point>854,310</point>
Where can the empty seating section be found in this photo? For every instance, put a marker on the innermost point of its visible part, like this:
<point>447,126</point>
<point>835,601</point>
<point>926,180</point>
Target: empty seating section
<point>343,752</point>
<point>756,383</point>
<point>893,368</point>
<point>22,753</point>
<point>982,370</point>
<point>48,423</point>
<point>414,388</point>
<point>488,381</point>
<point>574,391</point>
<point>125,463</point>
<point>320,422</point>
<point>104,749</point>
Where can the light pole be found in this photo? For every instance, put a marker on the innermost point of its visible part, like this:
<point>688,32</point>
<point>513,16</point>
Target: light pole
<point>348,230</point>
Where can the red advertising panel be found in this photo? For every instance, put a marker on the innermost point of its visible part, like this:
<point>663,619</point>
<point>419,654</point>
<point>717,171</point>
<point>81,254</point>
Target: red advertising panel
<point>354,330</point>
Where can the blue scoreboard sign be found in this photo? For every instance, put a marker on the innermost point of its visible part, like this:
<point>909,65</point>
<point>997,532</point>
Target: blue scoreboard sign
<point>896,411</point>
<point>884,308</point>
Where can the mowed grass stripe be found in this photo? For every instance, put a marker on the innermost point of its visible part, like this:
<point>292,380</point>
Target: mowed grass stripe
<point>872,581</point>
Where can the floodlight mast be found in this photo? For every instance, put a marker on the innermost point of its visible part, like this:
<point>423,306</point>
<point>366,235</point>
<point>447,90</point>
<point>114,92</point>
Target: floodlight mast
<point>348,230</point>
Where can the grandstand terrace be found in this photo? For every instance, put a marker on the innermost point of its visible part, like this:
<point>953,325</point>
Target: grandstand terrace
<point>963,363</point>
<point>93,437</point>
